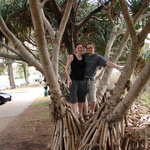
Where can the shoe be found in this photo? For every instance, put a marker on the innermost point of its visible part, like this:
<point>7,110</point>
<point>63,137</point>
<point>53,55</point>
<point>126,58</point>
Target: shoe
<point>91,114</point>
<point>86,117</point>
<point>81,120</point>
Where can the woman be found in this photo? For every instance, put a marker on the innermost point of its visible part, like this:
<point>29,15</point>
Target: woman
<point>76,80</point>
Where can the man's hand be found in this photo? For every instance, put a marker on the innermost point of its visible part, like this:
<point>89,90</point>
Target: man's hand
<point>110,64</point>
<point>120,68</point>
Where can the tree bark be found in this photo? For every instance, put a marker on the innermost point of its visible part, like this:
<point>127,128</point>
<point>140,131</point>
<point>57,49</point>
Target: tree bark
<point>11,76</point>
<point>25,73</point>
<point>42,49</point>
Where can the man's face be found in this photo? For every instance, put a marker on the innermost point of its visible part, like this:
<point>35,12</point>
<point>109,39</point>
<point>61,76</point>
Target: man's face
<point>90,49</point>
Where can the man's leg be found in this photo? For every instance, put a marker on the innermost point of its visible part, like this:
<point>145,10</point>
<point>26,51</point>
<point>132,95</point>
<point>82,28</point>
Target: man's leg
<point>92,97</point>
<point>93,104</point>
<point>85,107</point>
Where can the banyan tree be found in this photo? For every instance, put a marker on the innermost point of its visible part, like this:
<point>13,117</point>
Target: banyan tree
<point>107,129</point>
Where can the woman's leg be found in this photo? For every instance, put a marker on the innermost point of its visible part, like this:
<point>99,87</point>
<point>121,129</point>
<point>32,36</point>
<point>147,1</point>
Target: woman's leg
<point>85,108</point>
<point>74,107</point>
<point>80,105</point>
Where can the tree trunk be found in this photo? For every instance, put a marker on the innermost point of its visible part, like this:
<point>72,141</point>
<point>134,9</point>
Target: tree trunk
<point>103,81</point>
<point>11,76</point>
<point>25,73</point>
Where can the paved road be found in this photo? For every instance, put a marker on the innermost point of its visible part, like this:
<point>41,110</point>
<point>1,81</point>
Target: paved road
<point>18,82</point>
<point>20,101</point>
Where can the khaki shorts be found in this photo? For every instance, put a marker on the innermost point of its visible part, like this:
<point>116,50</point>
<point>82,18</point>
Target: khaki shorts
<point>91,95</point>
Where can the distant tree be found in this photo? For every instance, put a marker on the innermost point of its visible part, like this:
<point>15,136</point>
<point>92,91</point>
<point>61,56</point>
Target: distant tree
<point>11,75</point>
<point>2,67</point>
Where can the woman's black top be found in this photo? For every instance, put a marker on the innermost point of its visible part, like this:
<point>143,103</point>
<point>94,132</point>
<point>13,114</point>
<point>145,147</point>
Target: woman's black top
<point>77,68</point>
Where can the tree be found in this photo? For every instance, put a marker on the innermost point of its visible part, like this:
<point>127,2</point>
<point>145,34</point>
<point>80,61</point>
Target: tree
<point>102,127</point>
<point>21,24</point>
<point>11,75</point>
<point>22,71</point>
<point>2,67</point>
<point>106,127</point>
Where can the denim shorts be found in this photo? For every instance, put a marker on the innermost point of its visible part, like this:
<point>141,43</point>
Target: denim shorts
<point>91,95</point>
<point>77,91</point>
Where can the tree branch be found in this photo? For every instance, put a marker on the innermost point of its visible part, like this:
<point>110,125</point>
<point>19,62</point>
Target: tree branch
<point>18,46</point>
<point>109,12</point>
<point>64,20</point>
<point>141,11</point>
<point>129,21</point>
<point>14,57</point>
<point>54,7</point>
<point>144,32</point>
<point>10,49</point>
<point>47,25</point>
<point>122,108</point>
<point>82,23</point>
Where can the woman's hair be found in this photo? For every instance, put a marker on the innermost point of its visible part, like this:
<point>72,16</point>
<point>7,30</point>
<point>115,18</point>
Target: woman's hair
<point>78,44</point>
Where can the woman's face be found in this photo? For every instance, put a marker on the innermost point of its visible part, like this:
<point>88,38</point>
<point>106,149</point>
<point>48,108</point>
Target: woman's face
<point>79,48</point>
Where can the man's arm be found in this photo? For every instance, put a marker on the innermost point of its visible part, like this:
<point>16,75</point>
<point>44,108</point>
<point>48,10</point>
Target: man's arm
<point>110,64</point>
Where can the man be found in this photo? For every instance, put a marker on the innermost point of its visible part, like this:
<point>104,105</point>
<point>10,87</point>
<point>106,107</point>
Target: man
<point>92,61</point>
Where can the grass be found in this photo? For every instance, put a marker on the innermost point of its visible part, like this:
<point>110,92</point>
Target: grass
<point>45,116</point>
<point>42,102</point>
<point>41,98</point>
<point>23,88</point>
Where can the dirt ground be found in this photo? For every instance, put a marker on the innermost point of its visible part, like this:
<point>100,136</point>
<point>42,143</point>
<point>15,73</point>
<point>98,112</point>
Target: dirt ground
<point>31,130</point>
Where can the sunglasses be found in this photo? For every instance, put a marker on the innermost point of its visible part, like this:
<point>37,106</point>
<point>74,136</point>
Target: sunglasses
<point>90,47</point>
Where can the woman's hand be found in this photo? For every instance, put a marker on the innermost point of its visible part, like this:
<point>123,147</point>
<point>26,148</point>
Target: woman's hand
<point>69,82</point>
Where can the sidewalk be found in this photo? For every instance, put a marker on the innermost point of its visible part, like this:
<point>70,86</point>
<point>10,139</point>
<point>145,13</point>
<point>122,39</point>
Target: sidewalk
<point>22,98</point>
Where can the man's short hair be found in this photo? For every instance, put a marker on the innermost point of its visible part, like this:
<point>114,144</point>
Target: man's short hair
<point>90,43</point>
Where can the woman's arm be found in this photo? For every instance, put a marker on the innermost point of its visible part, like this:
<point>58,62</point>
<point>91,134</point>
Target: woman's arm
<point>67,68</point>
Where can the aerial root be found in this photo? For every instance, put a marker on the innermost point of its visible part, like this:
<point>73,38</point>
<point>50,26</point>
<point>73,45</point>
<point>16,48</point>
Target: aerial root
<point>70,134</point>
<point>102,133</point>
<point>67,132</point>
